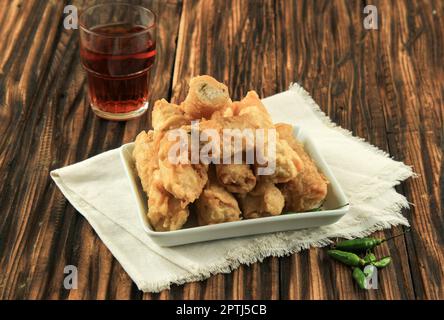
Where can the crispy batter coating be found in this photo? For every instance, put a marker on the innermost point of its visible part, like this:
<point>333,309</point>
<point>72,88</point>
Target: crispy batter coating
<point>236,178</point>
<point>252,114</point>
<point>308,189</point>
<point>247,113</point>
<point>225,112</point>
<point>183,180</point>
<point>250,119</point>
<point>236,125</point>
<point>252,102</point>
<point>251,106</point>
<point>165,212</point>
<point>166,116</point>
<point>288,163</point>
<point>205,96</point>
<point>145,155</point>
<point>216,205</point>
<point>264,200</point>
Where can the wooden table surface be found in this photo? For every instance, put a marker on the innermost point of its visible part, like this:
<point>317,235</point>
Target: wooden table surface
<point>385,85</point>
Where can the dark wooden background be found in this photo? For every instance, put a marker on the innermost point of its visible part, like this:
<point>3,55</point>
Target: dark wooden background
<point>385,85</point>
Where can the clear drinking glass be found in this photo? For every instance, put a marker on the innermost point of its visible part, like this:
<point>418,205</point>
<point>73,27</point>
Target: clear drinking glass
<point>118,49</point>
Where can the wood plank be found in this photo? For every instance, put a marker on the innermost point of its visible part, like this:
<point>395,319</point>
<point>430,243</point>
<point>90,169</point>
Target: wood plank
<point>227,40</point>
<point>324,46</point>
<point>410,46</point>
<point>15,100</point>
<point>423,150</point>
<point>48,116</point>
<point>234,42</point>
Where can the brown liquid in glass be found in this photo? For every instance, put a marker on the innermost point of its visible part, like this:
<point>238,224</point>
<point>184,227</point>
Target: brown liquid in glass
<point>118,76</point>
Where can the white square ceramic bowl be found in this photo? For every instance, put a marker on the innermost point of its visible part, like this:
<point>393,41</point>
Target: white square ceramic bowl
<point>335,206</point>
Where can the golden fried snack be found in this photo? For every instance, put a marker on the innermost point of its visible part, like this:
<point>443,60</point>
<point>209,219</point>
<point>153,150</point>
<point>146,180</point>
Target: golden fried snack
<point>250,100</point>
<point>184,180</point>
<point>247,113</point>
<point>245,121</point>
<point>288,163</point>
<point>251,105</point>
<point>218,125</point>
<point>264,200</point>
<point>251,118</point>
<point>308,189</point>
<point>216,205</point>
<point>223,113</point>
<point>165,212</point>
<point>236,178</point>
<point>145,155</point>
<point>285,132</point>
<point>166,116</point>
<point>259,118</point>
<point>172,181</point>
<point>205,96</point>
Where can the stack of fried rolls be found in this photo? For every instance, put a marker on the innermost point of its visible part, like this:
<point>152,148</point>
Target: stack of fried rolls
<point>225,191</point>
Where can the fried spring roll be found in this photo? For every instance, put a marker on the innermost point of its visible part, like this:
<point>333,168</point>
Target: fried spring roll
<point>166,116</point>
<point>205,96</point>
<point>184,180</point>
<point>288,164</point>
<point>264,200</point>
<point>236,178</point>
<point>216,205</point>
<point>145,156</point>
<point>308,189</point>
<point>165,213</point>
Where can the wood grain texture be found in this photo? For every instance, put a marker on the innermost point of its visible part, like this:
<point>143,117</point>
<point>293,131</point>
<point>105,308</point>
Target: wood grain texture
<point>409,46</point>
<point>384,85</point>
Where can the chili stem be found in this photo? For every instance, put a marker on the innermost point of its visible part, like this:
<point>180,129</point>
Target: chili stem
<point>395,236</point>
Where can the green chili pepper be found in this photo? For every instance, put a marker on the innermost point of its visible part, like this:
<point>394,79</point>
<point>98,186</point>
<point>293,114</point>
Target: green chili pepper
<point>384,262</point>
<point>363,243</point>
<point>359,277</point>
<point>359,244</point>
<point>347,258</point>
<point>369,258</point>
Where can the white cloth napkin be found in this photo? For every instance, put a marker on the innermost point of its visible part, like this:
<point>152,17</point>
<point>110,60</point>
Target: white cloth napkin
<point>98,189</point>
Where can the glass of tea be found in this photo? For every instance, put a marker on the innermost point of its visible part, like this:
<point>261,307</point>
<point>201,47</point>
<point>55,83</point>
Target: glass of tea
<point>117,50</point>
